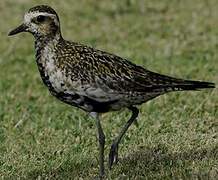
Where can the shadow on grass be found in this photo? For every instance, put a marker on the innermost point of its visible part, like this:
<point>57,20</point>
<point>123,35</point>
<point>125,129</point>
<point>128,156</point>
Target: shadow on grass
<point>159,162</point>
<point>149,163</point>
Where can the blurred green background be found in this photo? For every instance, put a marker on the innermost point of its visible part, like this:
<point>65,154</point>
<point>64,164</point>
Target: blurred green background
<point>177,133</point>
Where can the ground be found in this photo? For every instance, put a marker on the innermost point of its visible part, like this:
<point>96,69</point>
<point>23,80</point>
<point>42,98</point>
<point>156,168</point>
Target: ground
<point>176,134</point>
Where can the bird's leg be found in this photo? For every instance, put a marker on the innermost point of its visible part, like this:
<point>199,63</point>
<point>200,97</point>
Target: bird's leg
<point>101,140</point>
<point>113,155</point>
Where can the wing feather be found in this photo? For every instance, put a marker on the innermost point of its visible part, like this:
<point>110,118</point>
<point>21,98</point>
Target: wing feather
<point>106,77</point>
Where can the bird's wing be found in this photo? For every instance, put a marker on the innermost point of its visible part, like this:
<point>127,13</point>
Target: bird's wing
<point>107,77</point>
<point>121,76</point>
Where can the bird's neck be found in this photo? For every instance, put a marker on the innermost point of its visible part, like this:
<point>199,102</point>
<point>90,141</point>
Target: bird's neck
<point>45,48</point>
<point>42,41</point>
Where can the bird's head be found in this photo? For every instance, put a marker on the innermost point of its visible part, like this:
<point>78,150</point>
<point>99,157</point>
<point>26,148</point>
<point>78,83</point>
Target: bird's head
<point>40,21</point>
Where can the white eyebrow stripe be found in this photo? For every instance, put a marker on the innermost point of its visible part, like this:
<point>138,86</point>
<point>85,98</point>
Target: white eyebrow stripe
<point>30,15</point>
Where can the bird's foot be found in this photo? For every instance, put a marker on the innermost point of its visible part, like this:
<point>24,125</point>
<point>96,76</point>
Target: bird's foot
<point>99,177</point>
<point>101,174</point>
<point>113,155</point>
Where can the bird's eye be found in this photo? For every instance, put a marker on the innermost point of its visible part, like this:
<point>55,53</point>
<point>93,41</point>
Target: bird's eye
<point>40,18</point>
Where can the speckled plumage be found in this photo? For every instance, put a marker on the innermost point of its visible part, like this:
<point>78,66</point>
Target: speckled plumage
<point>99,78</point>
<point>93,80</point>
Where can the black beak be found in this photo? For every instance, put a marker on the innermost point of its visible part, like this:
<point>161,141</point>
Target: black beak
<point>19,29</point>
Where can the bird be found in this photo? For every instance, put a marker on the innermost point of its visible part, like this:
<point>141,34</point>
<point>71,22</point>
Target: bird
<point>94,80</point>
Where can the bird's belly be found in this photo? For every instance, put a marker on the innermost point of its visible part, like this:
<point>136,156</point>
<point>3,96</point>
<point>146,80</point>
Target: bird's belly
<point>73,100</point>
<point>65,91</point>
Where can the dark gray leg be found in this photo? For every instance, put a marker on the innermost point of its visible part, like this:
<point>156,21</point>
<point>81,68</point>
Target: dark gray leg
<point>113,155</point>
<point>101,140</point>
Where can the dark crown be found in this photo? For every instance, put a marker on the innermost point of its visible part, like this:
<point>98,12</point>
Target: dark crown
<point>43,8</point>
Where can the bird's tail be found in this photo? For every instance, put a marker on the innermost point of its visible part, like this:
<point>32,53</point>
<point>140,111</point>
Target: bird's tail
<point>187,85</point>
<point>180,85</point>
<point>164,84</point>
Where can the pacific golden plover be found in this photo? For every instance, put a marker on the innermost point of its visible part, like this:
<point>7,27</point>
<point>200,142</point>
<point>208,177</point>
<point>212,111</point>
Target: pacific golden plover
<point>94,80</point>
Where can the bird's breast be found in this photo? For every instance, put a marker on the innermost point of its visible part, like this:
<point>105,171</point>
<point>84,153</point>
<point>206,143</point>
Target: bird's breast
<point>53,76</point>
<point>59,85</point>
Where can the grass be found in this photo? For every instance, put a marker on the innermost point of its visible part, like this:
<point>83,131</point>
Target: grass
<point>177,133</point>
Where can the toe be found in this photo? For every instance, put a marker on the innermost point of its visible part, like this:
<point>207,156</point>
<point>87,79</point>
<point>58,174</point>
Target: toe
<point>113,155</point>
